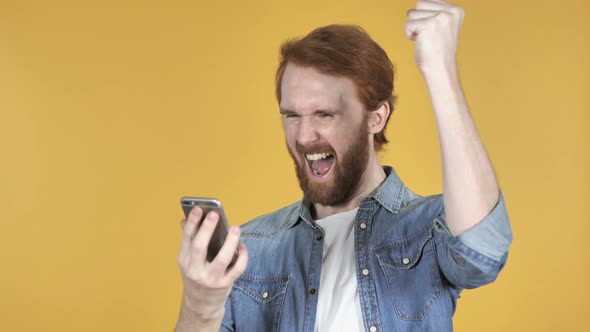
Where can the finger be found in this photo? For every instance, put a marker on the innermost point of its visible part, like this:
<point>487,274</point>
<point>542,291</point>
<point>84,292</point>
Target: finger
<point>201,240</point>
<point>414,14</point>
<point>440,6</point>
<point>431,5</point>
<point>182,223</point>
<point>239,266</point>
<point>189,227</point>
<point>414,27</point>
<point>193,220</point>
<point>226,253</point>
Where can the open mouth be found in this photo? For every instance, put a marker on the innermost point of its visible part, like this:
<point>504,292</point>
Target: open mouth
<point>320,164</point>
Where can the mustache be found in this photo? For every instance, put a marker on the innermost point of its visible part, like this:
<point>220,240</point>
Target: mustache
<point>314,148</point>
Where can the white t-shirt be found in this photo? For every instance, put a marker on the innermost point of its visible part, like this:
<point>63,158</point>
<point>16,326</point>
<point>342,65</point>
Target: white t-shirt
<point>339,308</point>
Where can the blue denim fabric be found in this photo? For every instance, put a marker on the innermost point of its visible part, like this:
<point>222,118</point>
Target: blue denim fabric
<point>417,268</point>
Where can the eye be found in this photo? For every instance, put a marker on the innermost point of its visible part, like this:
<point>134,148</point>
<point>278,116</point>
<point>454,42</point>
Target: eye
<point>291,117</point>
<point>325,116</point>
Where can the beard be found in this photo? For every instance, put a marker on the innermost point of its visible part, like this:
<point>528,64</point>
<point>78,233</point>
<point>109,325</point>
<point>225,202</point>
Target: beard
<point>347,170</point>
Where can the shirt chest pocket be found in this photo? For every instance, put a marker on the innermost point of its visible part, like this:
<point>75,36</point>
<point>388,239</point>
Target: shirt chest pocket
<point>412,273</point>
<point>257,302</point>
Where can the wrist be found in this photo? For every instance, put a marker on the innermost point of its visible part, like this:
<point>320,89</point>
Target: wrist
<point>201,313</point>
<point>442,79</point>
<point>195,320</point>
<point>439,71</point>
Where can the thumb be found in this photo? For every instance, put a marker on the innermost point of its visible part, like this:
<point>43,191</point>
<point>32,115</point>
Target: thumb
<point>413,28</point>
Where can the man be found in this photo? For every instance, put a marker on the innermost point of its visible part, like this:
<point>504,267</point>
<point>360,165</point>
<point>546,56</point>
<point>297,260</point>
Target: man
<point>360,252</point>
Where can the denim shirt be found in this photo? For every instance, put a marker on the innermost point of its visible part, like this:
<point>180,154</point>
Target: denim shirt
<point>417,268</point>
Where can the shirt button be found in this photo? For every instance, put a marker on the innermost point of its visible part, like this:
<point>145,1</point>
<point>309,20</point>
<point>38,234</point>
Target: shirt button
<point>373,329</point>
<point>406,261</point>
<point>363,225</point>
<point>264,295</point>
<point>312,291</point>
<point>365,272</point>
<point>319,238</point>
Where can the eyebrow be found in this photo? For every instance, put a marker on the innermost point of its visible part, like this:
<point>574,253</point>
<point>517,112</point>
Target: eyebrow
<point>288,112</point>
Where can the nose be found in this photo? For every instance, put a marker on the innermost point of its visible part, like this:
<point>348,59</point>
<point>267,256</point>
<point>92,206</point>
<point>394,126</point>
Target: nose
<point>307,132</point>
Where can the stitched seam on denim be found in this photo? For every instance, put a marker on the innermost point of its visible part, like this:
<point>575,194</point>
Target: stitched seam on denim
<point>437,295</point>
<point>278,322</point>
<point>367,211</point>
<point>457,245</point>
<point>407,239</point>
<point>266,235</point>
<point>230,328</point>
<point>281,290</point>
<point>429,303</point>
<point>227,327</point>
<point>380,251</point>
<point>306,319</point>
<point>292,209</point>
<point>304,211</point>
<point>263,278</point>
<point>379,198</point>
<point>400,197</point>
<point>427,309</point>
<point>360,216</point>
<point>233,313</point>
<point>391,294</point>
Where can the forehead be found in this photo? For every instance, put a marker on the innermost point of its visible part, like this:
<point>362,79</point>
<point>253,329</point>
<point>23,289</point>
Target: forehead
<point>307,89</point>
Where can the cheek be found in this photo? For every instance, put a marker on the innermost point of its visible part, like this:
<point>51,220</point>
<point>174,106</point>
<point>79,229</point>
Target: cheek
<point>290,138</point>
<point>341,137</point>
<point>288,131</point>
<point>343,140</point>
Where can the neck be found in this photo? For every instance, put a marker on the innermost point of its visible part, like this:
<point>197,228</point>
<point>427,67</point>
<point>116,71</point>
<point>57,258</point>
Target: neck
<point>372,177</point>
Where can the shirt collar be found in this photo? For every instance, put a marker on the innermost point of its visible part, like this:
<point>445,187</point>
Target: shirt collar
<point>389,195</point>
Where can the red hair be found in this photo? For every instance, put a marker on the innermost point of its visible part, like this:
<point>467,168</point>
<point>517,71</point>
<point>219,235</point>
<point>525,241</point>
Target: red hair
<point>347,51</point>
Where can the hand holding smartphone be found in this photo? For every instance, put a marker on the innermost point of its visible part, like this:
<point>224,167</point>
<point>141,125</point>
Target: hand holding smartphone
<point>222,228</point>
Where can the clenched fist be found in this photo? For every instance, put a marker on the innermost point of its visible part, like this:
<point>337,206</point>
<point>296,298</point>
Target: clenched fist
<point>434,25</point>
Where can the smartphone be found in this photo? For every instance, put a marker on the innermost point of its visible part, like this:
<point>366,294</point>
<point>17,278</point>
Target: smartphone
<point>222,228</point>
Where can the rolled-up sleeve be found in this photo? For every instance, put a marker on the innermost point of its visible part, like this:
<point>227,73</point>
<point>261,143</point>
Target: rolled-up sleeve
<point>476,257</point>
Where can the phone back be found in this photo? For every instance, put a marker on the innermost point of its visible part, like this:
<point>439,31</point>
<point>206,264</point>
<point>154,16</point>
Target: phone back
<point>208,205</point>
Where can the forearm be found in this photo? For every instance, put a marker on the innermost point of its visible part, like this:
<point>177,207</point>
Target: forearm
<point>470,188</point>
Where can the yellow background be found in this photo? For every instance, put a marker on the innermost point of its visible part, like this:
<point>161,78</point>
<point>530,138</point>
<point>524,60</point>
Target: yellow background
<point>112,110</point>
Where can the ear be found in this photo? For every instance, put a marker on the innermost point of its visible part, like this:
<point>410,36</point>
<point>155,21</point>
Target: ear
<point>378,118</point>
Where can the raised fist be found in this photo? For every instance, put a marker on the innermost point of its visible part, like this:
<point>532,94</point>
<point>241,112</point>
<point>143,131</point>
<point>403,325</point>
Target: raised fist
<point>434,25</point>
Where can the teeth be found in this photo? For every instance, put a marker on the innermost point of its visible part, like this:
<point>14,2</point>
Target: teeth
<point>317,156</point>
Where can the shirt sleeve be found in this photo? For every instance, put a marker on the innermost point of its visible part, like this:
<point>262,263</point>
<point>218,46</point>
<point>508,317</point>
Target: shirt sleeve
<point>477,256</point>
